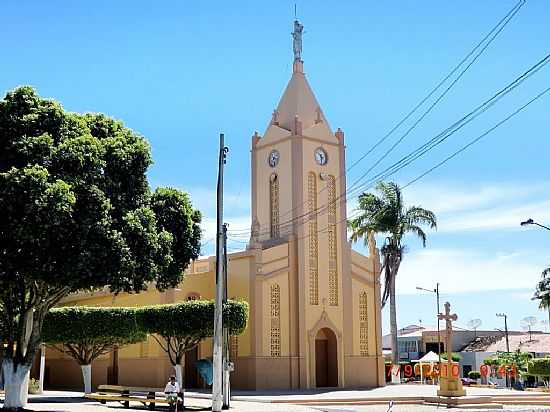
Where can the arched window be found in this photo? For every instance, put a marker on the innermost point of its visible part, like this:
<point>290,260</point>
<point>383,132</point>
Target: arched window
<point>274,205</point>
<point>313,240</point>
<point>275,320</point>
<point>363,325</point>
<point>332,244</point>
<point>193,296</point>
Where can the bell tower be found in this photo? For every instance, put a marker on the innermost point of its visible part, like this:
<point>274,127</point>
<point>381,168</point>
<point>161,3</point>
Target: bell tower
<point>298,197</point>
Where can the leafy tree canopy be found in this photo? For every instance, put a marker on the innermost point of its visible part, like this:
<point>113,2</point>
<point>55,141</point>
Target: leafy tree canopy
<point>86,333</point>
<point>180,327</point>
<point>542,291</point>
<point>539,367</point>
<point>77,213</point>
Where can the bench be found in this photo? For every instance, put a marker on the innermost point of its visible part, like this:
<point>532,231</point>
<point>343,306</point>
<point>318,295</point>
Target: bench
<point>125,394</point>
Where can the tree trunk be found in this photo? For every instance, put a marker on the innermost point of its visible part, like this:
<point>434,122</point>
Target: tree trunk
<point>16,384</point>
<point>87,377</point>
<point>179,375</point>
<point>393,323</point>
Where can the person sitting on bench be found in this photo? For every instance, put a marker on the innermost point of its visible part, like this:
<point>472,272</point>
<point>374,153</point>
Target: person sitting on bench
<point>171,391</point>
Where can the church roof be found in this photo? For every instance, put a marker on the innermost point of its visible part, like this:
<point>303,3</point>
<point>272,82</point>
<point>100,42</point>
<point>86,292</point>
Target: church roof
<point>299,100</point>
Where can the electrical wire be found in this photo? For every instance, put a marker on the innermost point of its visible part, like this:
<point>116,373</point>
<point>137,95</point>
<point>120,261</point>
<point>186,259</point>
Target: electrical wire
<point>497,29</point>
<point>426,147</point>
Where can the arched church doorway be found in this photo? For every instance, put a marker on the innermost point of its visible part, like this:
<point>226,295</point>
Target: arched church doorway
<point>326,358</point>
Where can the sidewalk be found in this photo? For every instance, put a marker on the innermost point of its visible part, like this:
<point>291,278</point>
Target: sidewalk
<point>280,401</point>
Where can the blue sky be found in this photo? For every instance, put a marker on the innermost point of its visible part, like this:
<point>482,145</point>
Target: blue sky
<point>181,72</point>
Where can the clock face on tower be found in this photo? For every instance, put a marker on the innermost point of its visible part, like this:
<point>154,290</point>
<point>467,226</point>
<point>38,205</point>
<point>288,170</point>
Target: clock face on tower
<point>273,158</point>
<point>321,156</point>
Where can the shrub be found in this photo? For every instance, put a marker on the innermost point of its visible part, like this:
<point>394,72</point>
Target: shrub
<point>474,375</point>
<point>455,357</point>
<point>539,367</point>
<point>85,333</point>
<point>34,386</point>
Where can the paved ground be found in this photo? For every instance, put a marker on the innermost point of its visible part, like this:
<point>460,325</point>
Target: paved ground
<point>73,402</point>
<point>386,391</point>
<point>201,405</point>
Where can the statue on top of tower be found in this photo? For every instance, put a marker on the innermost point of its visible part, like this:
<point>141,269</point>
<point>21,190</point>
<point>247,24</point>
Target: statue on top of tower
<point>297,40</point>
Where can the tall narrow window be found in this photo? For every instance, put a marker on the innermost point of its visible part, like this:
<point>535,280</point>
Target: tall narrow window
<point>313,241</point>
<point>275,320</point>
<point>233,347</point>
<point>363,325</point>
<point>274,205</point>
<point>332,245</point>
<point>144,349</point>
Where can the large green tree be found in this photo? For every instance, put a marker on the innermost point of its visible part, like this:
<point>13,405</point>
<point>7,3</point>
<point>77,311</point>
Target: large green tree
<point>77,213</point>
<point>180,327</point>
<point>387,214</point>
<point>86,333</point>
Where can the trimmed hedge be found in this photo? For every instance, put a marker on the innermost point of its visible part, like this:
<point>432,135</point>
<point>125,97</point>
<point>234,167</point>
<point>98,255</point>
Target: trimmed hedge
<point>192,318</point>
<point>474,375</point>
<point>539,367</point>
<point>180,327</point>
<point>85,333</point>
<point>84,324</point>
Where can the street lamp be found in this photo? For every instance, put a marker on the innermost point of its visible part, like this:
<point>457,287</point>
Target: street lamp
<point>503,315</point>
<point>532,222</point>
<point>436,291</point>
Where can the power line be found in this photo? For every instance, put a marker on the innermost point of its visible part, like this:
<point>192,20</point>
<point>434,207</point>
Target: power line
<point>430,108</point>
<point>441,137</point>
<point>477,139</point>
<point>426,147</point>
<point>494,32</point>
<point>456,153</point>
<point>453,155</point>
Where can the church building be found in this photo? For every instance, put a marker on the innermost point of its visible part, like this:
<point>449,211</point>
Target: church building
<point>315,316</point>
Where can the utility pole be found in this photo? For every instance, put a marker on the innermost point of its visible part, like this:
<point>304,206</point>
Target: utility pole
<point>436,291</point>
<point>217,352</point>
<point>438,332</point>
<point>503,315</point>
<point>226,361</point>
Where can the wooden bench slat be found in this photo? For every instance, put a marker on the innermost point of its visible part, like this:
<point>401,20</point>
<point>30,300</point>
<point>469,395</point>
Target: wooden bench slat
<point>119,388</point>
<point>124,398</point>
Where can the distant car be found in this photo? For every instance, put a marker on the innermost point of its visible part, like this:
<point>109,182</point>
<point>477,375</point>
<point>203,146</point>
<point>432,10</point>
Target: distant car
<point>468,381</point>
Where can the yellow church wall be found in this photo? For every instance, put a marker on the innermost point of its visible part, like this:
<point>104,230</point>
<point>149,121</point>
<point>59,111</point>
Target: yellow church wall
<point>322,172</point>
<point>282,281</point>
<point>358,288</point>
<point>263,179</point>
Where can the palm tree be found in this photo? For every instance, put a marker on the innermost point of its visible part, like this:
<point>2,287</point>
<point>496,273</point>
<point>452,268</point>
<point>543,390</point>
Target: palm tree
<point>387,214</point>
<point>542,292</point>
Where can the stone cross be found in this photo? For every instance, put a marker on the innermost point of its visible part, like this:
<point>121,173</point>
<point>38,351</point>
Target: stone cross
<point>448,318</point>
<point>449,382</point>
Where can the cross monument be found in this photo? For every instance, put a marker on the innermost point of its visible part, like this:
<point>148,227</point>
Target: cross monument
<point>449,380</point>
